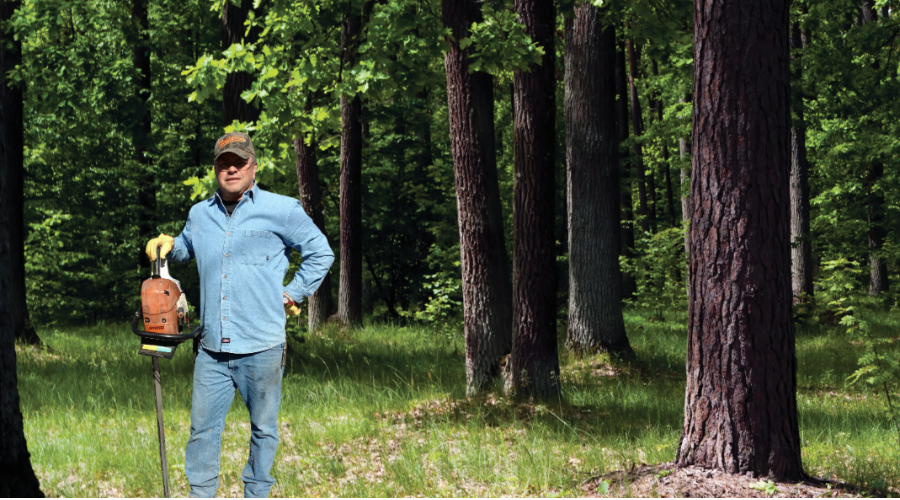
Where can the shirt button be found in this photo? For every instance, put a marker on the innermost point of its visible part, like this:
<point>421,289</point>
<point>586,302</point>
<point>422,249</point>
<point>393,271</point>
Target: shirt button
<point>226,255</point>
<point>229,234</point>
<point>224,298</point>
<point>223,318</point>
<point>224,275</point>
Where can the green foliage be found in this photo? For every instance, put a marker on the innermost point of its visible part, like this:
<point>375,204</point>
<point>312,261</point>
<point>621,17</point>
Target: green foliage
<point>499,43</point>
<point>766,486</point>
<point>659,271</point>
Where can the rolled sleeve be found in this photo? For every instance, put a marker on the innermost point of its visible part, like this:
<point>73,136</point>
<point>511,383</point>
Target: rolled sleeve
<point>303,236</point>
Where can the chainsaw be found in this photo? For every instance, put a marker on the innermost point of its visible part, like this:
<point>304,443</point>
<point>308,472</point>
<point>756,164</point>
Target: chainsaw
<point>165,315</point>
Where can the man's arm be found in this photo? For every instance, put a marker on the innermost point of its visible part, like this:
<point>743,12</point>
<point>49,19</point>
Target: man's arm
<point>184,246</point>
<point>303,236</point>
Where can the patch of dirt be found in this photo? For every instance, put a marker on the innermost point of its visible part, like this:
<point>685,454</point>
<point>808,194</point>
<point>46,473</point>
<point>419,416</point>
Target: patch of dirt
<point>667,481</point>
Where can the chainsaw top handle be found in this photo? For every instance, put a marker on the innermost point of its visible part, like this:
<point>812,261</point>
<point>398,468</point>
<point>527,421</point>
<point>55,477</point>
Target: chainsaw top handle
<point>156,265</point>
<point>162,336</point>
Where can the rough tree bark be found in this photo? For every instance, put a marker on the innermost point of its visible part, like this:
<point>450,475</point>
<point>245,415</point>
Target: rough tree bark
<point>534,361</point>
<point>629,286</point>
<point>801,246</point>
<point>648,221</point>
<point>17,478</point>
<point>740,403</point>
<point>350,287</point>
<point>592,175</point>
<point>233,30</point>
<point>878,277</point>
<point>311,198</point>
<point>487,292</point>
<point>141,127</point>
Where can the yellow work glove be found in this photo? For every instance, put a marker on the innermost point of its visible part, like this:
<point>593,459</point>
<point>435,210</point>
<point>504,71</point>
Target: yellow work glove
<point>290,307</point>
<point>166,244</point>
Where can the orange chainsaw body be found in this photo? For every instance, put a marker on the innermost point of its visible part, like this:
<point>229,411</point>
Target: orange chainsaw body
<point>159,305</point>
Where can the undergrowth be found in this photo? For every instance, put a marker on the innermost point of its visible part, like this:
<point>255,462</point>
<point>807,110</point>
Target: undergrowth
<point>382,412</point>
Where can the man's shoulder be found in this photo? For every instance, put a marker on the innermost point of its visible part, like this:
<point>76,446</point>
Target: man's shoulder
<point>277,200</point>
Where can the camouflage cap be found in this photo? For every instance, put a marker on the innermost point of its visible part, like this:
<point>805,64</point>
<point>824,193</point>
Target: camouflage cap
<point>237,143</point>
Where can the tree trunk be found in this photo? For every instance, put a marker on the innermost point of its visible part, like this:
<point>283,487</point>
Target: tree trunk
<point>592,158</point>
<point>17,478</point>
<point>487,292</point>
<point>740,400</point>
<point>801,246</point>
<point>647,219</point>
<point>670,200</point>
<point>311,197</point>
<point>629,286</point>
<point>233,29</point>
<point>141,129</point>
<point>350,287</point>
<point>534,362</point>
<point>878,278</point>
<point>12,166</point>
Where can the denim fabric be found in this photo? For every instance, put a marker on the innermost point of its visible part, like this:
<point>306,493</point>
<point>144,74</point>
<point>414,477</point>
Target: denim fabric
<point>258,377</point>
<point>242,261</point>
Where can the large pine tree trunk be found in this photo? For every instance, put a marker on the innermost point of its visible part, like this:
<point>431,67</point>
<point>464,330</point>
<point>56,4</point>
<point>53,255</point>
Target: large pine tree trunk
<point>629,286</point>
<point>141,127</point>
<point>311,198</point>
<point>592,176</point>
<point>647,218</point>
<point>487,293</point>
<point>740,403</point>
<point>534,362</point>
<point>801,245</point>
<point>233,30</point>
<point>17,478</point>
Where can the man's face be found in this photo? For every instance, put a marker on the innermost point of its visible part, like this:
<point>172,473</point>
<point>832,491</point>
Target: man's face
<point>235,175</point>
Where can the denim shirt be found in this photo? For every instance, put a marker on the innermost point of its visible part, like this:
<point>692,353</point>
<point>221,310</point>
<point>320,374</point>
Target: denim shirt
<point>242,261</point>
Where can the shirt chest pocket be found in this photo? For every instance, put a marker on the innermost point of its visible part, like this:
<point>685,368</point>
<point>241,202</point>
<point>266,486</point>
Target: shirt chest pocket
<point>258,248</point>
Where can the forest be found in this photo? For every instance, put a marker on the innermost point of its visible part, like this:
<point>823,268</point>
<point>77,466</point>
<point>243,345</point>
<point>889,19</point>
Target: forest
<point>581,247</point>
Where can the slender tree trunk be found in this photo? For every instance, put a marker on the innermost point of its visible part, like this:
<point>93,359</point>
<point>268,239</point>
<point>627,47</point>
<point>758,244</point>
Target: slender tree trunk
<point>740,402</point>
<point>487,292</point>
<point>801,246</point>
<point>643,210</point>
<point>878,278</point>
<point>534,362</point>
<point>592,158</point>
<point>629,286</point>
<point>233,30</point>
<point>141,128</point>
<point>17,478</point>
<point>684,151</point>
<point>350,288</point>
<point>311,197</point>
<point>670,200</point>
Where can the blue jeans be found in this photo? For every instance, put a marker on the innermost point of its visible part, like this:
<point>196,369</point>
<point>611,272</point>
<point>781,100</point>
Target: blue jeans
<point>216,375</point>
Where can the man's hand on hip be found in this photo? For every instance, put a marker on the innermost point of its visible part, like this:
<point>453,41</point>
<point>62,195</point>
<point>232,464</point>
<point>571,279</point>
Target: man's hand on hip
<point>165,243</point>
<point>290,307</point>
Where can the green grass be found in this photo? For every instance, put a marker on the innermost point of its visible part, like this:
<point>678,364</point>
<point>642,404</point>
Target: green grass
<point>382,412</point>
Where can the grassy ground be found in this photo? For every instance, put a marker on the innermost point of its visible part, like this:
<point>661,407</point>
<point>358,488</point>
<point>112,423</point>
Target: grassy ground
<point>382,412</point>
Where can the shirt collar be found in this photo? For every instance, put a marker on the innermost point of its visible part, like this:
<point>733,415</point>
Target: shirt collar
<point>253,193</point>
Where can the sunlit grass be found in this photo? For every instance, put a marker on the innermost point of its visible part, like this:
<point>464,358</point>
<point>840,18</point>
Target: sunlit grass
<point>382,412</point>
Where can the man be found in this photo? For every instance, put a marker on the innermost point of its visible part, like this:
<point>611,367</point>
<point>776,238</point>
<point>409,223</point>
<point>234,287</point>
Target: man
<point>242,238</point>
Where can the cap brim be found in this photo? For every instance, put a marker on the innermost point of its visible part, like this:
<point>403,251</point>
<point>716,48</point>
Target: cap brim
<point>243,154</point>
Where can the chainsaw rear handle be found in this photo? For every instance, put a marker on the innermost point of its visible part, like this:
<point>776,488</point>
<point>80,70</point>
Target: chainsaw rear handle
<point>162,336</point>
